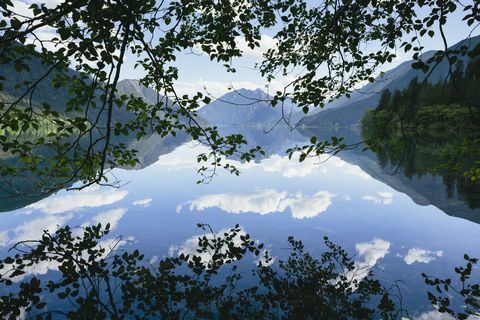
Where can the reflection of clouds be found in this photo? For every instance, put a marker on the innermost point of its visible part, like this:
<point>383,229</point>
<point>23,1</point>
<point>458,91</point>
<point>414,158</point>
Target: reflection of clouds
<point>38,269</point>
<point>111,244</point>
<point>87,198</point>
<point>143,202</point>
<point>421,255</point>
<point>33,229</point>
<point>435,315</point>
<point>382,197</point>
<point>291,168</point>
<point>262,259</point>
<point>3,238</point>
<point>153,260</point>
<point>190,246</point>
<point>261,202</point>
<point>309,207</point>
<point>43,267</point>
<point>371,252</point>
<point>265,202</point>
<point>185,157</point>
<point>112,216</point>
<point>348,168</point>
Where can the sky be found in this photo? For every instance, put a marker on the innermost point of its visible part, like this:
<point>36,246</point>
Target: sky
<point>198,73</point>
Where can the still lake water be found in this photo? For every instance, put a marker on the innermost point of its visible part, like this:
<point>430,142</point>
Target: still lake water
<point>388,224</point>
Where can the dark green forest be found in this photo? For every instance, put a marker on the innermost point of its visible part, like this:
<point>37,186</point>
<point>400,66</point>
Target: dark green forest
<point>449,106</point>
<point>430,128</point>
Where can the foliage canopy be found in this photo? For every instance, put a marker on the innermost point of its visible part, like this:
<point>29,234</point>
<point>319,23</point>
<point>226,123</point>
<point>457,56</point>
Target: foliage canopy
<point>328,44</point>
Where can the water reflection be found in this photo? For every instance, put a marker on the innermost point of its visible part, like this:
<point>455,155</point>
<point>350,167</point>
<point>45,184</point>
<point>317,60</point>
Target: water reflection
<point>421,255</point>
<point>91,197</point>
<point>190,246</point>
<point>381,197</point>
<point>350,198</point>
<point>370,252</point>
<point>265,202</point>
<point>413,167</point>
<point>34,228</point>
<point>143,202</point>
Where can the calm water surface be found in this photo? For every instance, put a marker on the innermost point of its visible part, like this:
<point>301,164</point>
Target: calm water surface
<point>349,198</point>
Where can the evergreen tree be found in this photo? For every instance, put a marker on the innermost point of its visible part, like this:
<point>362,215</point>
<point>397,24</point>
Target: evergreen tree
<point>458,72</point>
<point>473,70</point>
<point>385,100</point>
<point>472,83</point>
<point>410,100</point>
<point>397,100</point>
<point>456,83</point>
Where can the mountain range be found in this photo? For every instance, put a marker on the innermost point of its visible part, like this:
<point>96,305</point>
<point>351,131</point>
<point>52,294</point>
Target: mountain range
<point>349,111</point>
<point>245,107</point>
<point>252,107</point>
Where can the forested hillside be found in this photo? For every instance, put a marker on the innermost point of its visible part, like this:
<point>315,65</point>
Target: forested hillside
<point>431,129</point>
<point>450,105</point>
<point>349,111</point>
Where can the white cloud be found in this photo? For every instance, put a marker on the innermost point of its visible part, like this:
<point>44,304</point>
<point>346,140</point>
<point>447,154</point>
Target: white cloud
<point>153,260</point>
<point>190,246</point>
<point>421,255</point>
<point>143,202</point>
<point>22,8</point>
<point>214,88</point>
<point>3,238</point>
<point>290,168</point>
<point>185,157</point>
<point>43,267</point>
<point>112,216</point>
<point>348,168</point>
<point>309,207</point>
<point>266,201</point>
<point>261,202</point>
<point>33,229</point>
<point>262,259</point>
<point>266,43</point>
<point>39,268</point>
<point>371,252</point>
<point>91,197</point>
<point>382,197</point>
<point>435,315</point>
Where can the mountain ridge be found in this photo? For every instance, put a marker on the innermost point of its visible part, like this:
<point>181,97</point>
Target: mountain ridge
<point>349,111</point>
<point>247,107</point>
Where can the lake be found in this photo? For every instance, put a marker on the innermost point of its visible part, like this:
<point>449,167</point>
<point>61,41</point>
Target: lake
<point>397,225</point>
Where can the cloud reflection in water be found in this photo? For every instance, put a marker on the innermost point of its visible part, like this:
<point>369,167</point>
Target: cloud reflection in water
<point>264,202</point>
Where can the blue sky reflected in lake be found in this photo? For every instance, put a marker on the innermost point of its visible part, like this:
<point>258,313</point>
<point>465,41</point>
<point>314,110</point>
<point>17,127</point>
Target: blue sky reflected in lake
<point>158,207</point>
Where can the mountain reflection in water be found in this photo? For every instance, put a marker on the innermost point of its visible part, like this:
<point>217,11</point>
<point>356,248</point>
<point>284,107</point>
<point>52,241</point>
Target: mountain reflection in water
<point>352,198</point>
